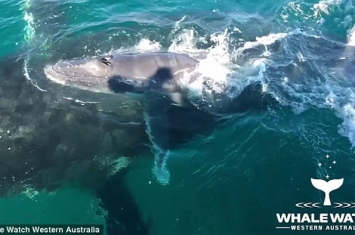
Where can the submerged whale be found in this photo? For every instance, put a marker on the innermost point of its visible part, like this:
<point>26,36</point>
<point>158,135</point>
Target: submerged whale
<point>149,74</point>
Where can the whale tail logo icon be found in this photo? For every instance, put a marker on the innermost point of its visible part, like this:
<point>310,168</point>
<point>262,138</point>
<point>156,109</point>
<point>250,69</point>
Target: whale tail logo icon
<point>327,187</point>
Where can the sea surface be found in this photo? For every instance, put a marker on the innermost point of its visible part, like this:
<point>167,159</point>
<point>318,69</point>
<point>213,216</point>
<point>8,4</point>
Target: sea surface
<point>274,107</point>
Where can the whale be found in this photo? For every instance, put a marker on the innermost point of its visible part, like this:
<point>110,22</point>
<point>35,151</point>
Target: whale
<point>155,76</point>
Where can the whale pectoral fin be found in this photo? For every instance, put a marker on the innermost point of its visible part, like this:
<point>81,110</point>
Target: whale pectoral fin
<point>116,85</point>
<point>158,131</point>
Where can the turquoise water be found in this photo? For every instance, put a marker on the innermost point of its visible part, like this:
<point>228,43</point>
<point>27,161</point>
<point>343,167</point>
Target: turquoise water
<point>282,80</point>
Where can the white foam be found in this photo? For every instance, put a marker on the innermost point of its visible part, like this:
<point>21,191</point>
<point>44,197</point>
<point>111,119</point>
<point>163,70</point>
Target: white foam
<point>323,7</point>
<point>348,126</point>
<point>334,93</point>
<point>342,100</point>
<point>27,75</point>
<point>185,42</point>
<point>215,62</point>
<point>351,36</point>
<point>262,41</point>
<point>29,191</point>
<point>29,36</point>
<point>145,45</point>
<point>28,17</point>
<point>316,13</point>
<point>29,28</point>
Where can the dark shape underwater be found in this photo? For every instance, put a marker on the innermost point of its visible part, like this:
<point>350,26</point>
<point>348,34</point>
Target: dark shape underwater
<point>49,143</point>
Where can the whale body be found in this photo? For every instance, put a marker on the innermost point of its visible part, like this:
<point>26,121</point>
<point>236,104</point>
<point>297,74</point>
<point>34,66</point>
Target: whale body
<point>150,74</point>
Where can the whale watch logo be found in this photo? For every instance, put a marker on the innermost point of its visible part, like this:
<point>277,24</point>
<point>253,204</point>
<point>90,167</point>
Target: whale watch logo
<point>327,187</point>
<point>316,220</point>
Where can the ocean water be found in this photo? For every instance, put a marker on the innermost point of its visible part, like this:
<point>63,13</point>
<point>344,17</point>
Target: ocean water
<point>274,107</point>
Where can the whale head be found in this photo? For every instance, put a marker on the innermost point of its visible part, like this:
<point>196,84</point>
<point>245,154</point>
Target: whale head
<point>87,74</point>
<point>122,73</point>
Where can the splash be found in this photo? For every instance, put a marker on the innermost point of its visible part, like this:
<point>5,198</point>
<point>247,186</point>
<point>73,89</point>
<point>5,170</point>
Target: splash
<point>29,191</point>
<point>348,126</point>
<point>324,7</point>
<point>341,93</point>
<point>342,100</point>
<point>217,73</point>
<point>351,37</point>
<point>145,45</point>
<point>312,84</point>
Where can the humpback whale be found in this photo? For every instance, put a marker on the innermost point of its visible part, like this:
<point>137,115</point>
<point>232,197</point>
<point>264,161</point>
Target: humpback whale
<point>149,74</point>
